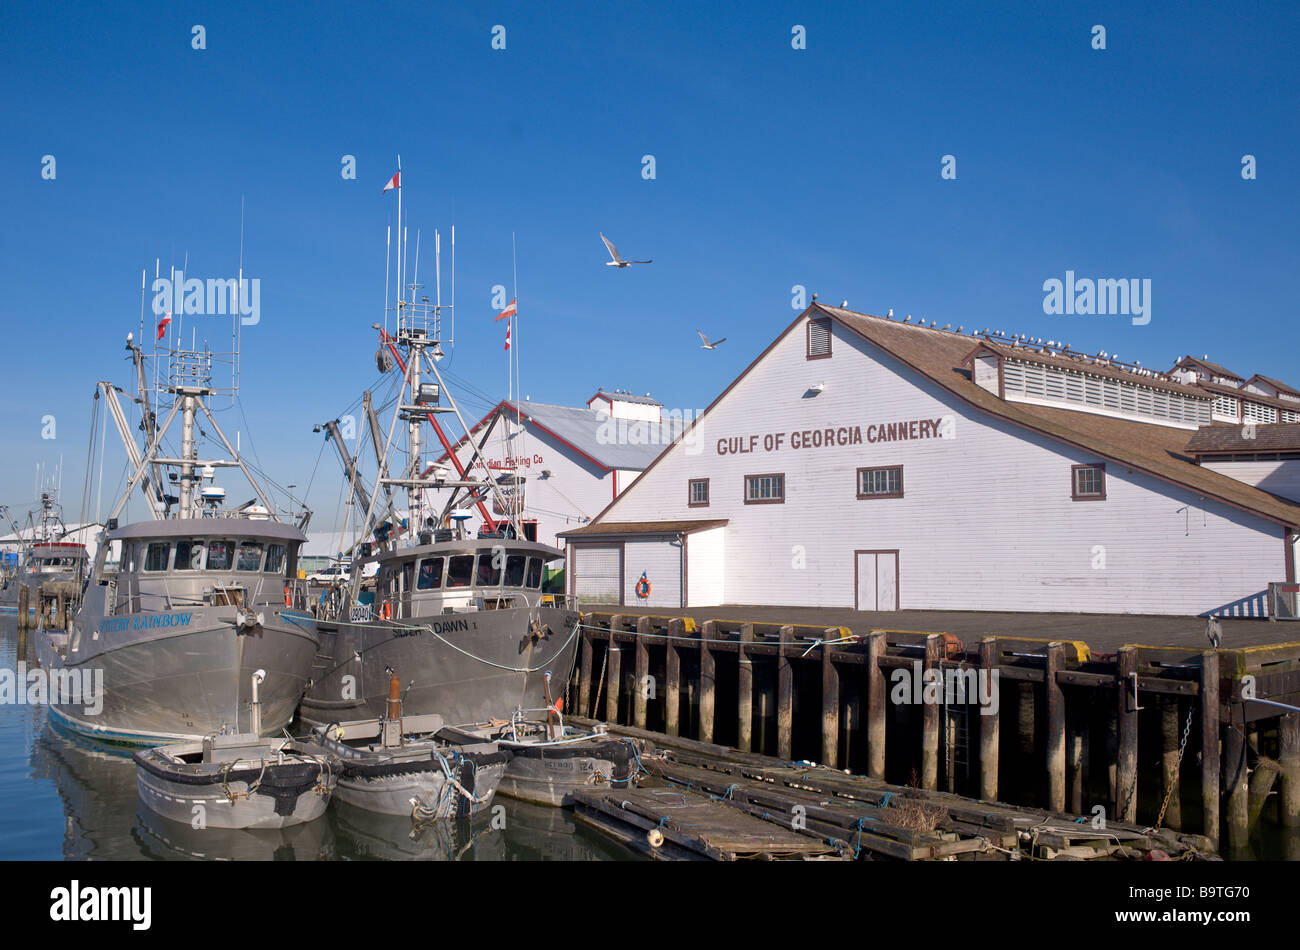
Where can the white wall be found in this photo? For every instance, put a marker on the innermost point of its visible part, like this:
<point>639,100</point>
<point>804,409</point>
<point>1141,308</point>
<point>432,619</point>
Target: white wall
<point>706,568</point>
<point>661,561</point>
<point>986,521</point>
<point>1279,477</point>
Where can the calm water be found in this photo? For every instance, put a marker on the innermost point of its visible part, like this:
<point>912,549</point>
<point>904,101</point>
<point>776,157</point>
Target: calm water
<point>62,796</point>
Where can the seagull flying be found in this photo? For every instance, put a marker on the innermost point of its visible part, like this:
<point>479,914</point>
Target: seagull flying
<point>613,253</point>
<point>710,345</point>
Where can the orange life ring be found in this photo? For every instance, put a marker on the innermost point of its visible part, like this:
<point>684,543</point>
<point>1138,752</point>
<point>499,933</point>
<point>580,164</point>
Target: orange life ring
<point>643,587</point>
<point>386,611</point>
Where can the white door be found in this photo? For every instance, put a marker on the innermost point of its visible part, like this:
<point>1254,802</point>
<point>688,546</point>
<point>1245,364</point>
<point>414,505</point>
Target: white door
<point>877,580</point>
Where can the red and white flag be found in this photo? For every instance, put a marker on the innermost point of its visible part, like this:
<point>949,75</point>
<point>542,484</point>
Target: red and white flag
<point>162,324</point>
<point>508,334</point>
<point>509,311</point>
<point>395,181</point>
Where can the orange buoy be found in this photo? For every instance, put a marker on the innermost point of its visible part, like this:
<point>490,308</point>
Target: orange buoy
<point>643,587</point>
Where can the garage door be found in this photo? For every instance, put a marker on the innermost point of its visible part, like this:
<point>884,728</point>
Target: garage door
<point>596,573</point>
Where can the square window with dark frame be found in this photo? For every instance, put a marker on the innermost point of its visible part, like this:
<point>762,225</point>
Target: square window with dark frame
<point>697,493</point>
<point>1088,482</point>
<point>764,489</point>
<point>819,338</point>
<point>881,482</point>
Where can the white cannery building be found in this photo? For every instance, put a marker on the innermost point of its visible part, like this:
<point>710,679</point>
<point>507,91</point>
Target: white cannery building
<point>557,466</point>
<point>875,463</point>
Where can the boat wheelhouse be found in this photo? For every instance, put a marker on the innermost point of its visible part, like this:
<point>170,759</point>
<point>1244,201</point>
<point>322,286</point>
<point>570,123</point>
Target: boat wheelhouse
<point>465,575</point>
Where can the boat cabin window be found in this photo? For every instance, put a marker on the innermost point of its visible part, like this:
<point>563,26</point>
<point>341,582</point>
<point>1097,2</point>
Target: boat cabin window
<point>489,571</point>
<point>534,573</point>
<point>129,556</point>
<point>250,556</point>
<point>430,574</point>
<point>274,558</point>
<point>408,576</point>
<point>515,570</point>
<point>189,556</point>
<point>221,555</point>
<point>460,570</point>
<point>156,556</point>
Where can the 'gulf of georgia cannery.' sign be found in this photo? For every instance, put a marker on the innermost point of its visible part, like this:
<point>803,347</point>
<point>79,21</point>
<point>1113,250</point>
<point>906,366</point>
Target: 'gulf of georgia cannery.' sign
<point>943,427</point>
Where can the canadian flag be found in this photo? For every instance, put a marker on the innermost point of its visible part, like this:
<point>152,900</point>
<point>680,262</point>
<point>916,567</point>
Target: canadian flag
<point>509,311</point>
<point>508,334</point>
<point>162,324</point>
<point>395,181</point>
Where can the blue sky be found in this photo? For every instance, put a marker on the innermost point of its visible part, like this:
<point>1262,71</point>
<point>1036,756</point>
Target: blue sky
<point>775,167</point>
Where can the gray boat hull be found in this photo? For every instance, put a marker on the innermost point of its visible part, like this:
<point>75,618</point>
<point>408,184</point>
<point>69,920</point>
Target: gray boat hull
<point>466,667</point>
<point>176,683</point>
<point>245,794</point>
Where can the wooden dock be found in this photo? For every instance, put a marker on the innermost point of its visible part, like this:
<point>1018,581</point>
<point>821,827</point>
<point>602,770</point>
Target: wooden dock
<point>1144,739</point>
<point>711,801</point>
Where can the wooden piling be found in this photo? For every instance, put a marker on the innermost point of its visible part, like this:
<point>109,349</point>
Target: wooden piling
<point>1171,733</point>
<point>1262,779</point>
<point>1288,736</point>
<point>1210,744</point>
<point>673,674</point>
<point>989,723</point>
<point>1235,781</point>
<point>830,702</point>
<point>1026,718</point>
<point>585,651</point>
<point>875,677</point>
<point>745,701</point>
<point>784,695</point>
<point>1054,699</point>
<point>613,671</point>
<point>930,718</point>
<point>1077,755</point>
<point>1127,711</point>
<point>641,683</point>
<point>24,621</point>
<point>708,677</point>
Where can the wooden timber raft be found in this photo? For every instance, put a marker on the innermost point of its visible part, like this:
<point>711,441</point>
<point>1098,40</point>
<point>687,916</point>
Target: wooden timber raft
<point>1219,743</point>
<point>711,801</point>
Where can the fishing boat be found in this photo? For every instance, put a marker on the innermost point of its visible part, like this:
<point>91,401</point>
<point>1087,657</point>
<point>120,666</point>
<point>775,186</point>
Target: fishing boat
<point>239,780</point>
<point>398,765</point>
<point>51,567</point>
<point>550,761</point>
<point>181,608</point>
<point>464,619</point>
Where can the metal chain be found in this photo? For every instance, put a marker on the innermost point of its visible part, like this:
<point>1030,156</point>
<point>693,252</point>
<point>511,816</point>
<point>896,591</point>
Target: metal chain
<point>1182,746</point>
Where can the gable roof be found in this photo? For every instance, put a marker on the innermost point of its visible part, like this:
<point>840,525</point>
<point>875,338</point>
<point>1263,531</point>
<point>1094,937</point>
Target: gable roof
<point>940,356</point>
<point>1275,383</point>
<point>579,428</point>
<point>1214,368</point>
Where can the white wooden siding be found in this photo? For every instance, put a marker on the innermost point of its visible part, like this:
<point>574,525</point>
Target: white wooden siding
<point>1279,477</point>
<point>706,568</point>
<point>661,561</point>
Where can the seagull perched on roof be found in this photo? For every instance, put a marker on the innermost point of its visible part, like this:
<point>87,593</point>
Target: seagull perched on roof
<point>617,261</point>
<point>707,345</point>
